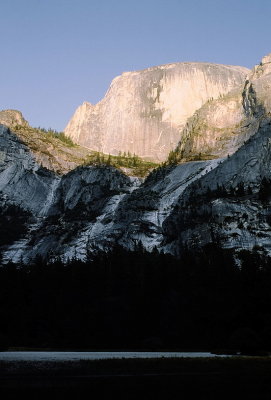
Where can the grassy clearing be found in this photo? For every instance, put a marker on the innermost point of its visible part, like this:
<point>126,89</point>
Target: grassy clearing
<point>47,134</point>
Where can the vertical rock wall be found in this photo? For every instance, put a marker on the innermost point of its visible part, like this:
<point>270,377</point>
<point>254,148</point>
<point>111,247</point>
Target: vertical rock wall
<point>143,112</point>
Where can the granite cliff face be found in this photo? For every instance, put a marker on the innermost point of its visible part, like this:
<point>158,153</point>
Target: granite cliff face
<point>22,180</point>
<point>230,205</point>
<point>187,205</point>
<point>221,126</point>
<point>144,112</point>
<point>225,199</point>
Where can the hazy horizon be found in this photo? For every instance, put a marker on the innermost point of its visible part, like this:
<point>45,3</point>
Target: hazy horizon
<point>59,53</point>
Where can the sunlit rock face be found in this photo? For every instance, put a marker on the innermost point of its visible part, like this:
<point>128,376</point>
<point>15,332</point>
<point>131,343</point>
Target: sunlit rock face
<point>12,118</point>
<point>260,82</point>
<point>48,151</point>
<point>144,112</point>
<point>264,68</point>
<point>222,125</point>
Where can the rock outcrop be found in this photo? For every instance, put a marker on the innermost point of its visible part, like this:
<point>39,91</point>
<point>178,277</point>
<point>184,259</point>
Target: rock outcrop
<point>47,149</point>
<point>222,125</point>
<point>56,152</point>
<point>144,112</point>
<point>229,206</point>
<point>12,118</point>
<point>22,180</point>
<point>51,152</point>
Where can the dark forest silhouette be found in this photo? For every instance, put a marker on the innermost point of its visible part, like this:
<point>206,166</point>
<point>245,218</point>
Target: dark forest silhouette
<point>140,300</point>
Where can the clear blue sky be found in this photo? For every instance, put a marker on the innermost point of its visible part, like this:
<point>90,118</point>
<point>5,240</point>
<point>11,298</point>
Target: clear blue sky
<point>55,54</point>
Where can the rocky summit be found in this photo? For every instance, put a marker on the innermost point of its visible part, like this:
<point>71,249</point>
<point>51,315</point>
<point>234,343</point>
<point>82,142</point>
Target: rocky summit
<point>215,186</point>
<point>12,118</point>
<point>144,112</point>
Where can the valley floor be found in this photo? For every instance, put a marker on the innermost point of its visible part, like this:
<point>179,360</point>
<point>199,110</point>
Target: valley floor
<point>243,377</point>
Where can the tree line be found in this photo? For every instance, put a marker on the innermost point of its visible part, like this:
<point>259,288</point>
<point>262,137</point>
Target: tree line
<point>138,300</point>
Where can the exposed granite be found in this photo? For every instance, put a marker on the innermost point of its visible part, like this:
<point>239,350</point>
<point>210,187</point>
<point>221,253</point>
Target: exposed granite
<point>143,112</point>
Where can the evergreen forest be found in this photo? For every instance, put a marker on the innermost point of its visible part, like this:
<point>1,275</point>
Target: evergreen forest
<point>210,299</point>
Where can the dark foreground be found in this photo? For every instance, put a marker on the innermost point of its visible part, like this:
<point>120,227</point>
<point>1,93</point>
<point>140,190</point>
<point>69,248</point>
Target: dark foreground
<point>136,300</point>
<point>248,377</point>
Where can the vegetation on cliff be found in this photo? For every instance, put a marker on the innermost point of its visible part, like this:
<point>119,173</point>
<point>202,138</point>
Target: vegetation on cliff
<point>128,163</point>
<point>54,150</point>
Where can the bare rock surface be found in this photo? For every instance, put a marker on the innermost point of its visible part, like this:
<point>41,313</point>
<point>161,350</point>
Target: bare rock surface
<point>144,112</point>
<point>222,125</point>
<point>12,118</point>
<point>224,198</point>
<point>48,151</point>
